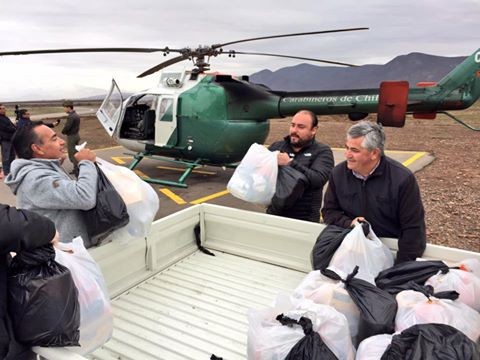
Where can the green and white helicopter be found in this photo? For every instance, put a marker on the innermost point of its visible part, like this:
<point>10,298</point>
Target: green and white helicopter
<point>200,118</point>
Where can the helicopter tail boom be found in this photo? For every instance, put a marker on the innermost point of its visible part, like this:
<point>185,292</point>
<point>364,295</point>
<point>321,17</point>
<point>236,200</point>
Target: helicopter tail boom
<point>458,90</point>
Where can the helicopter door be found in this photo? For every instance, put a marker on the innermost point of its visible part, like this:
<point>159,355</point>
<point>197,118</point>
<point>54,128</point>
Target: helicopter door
<point>166,121</point>
<point>111,109</point>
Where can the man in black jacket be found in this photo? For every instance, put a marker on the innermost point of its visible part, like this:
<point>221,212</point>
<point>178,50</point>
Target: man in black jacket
<point>373,187</point>
<point>20,230</point>
<point>71,129</point>
<point>302,152</point>
<point>7,128</point>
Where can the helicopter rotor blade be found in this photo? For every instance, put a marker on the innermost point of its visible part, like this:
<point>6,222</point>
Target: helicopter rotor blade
<point>85,50</point>
<point>288,57</point>
<point>163,65</point>
<point>216,46</point>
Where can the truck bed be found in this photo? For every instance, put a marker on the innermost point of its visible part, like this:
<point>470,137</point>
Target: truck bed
<point>171,301</point>
<point>194,308</point>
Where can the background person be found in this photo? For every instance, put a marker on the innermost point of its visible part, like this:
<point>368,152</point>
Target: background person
<point>21,230</point>
<point>373,187</point>
<point>43,186</point>
<point>24,120</point>
<point>71,129</point>
<point>301,151</point>
<point>7,129</point>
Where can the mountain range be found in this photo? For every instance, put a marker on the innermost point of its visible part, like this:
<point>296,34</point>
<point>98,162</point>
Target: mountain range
<point>414,67</point>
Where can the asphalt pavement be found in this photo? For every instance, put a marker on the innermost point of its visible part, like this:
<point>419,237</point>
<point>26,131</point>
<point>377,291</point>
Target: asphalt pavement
<point>206,183</point>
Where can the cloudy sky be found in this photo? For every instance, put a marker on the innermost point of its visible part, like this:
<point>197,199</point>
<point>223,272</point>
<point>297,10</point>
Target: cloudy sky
<point>438,27</point>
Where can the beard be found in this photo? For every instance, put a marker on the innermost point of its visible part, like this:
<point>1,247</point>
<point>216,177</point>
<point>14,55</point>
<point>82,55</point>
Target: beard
<point>295,141</point>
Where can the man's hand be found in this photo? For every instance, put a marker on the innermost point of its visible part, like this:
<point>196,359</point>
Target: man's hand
<point>55,239</point>
<point>283,158</point>
<point>85,154</point>
<point>356,220</point>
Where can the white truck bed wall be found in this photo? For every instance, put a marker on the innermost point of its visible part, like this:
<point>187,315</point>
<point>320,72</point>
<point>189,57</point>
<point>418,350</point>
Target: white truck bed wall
<point>251,235</point>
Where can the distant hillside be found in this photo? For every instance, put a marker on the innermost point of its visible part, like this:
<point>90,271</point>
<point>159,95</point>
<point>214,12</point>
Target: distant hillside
<point>414,67</point>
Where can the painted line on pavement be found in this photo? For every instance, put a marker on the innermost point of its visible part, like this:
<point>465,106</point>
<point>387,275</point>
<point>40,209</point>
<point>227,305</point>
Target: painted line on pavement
<point>210,197</point>
<point>119,159</point>
<point>414,158</point>
<point>172,196</point>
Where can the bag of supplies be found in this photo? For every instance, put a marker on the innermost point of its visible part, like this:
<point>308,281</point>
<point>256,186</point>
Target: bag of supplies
<point>365,251</point>
<point>140,198</point>
<point>110,212</point>
<point>42,300</point>
<point>269,339</point>
<point>96,318</point>
<point>254,180</point>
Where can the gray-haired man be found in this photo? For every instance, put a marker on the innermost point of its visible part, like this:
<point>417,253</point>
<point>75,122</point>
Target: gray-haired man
<point>373,187</point>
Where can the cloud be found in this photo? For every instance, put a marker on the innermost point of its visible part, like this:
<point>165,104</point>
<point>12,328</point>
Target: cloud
<point>396,27</point>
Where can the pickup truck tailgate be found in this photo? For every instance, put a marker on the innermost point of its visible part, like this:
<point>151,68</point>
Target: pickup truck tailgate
<point>195,308</point>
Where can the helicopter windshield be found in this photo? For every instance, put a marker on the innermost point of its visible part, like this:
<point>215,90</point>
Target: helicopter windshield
<point>111,109</point>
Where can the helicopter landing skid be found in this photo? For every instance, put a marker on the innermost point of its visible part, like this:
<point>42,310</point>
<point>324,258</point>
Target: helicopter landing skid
<point>189,167</point>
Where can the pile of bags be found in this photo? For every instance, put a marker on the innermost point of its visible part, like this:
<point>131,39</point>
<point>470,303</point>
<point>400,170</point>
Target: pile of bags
<point>414,310</point>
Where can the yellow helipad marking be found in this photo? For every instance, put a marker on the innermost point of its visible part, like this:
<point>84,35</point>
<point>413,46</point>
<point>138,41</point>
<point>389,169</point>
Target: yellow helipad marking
<point>182,170</point>
<point>119,159</point>
<point>210,197</point>
<point>174,197</point>
<point>141,174</point>
<point>109,148</point>
<point>415,157</point>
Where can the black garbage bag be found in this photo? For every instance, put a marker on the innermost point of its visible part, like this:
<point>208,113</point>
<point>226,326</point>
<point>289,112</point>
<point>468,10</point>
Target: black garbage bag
<point>429,291</point>
<point>110,212</point>
<point>431,342</point>
<point>327,243</point>
<point>377,307</point>
<point>311,346</point>
<point>43,300</point>
<point>396,278</point>
<point>290,186</point>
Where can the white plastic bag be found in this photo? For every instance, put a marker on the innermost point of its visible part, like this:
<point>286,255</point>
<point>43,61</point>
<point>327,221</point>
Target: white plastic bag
<point>415,308</point>
<point>462,281</point>
<point>323,290</point>
<point>96,320</point>
<point>372,348</point>
<point>368,253</point>
<point>269,340</point>
<point>255,179</point>
<point>141,200</point>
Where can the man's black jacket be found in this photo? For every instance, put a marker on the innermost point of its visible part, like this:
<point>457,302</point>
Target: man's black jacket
<point>6,128</point>
<point>315,161</point>
<point>389,199</point>
<point>19,230</point>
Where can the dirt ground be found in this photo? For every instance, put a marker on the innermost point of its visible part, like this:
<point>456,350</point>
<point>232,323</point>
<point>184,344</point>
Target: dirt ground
<point>450,186</point>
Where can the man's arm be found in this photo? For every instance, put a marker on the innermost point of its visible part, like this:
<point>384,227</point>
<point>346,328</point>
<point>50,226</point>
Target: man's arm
<point>332,213</point>
<point>412,239</point>
<point>54,191</point>
<point>68,125</point>
<point>7,127</point>
<point>320,169</point>
<point>22,229</point>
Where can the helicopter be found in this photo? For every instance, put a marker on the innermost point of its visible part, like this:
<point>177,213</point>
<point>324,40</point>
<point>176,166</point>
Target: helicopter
<point>196,117</point>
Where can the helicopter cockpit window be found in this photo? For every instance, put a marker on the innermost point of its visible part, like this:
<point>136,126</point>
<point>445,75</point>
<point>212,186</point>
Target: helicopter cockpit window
<point>140,115</point>
<point>165,110</point>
